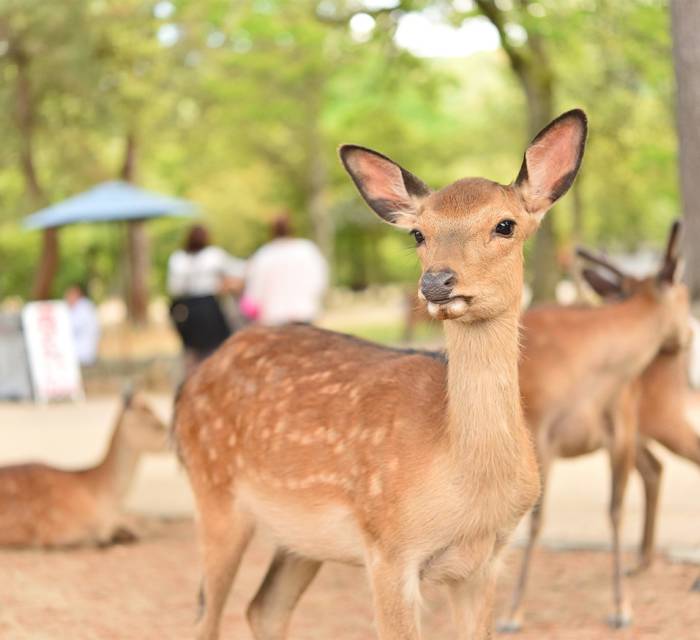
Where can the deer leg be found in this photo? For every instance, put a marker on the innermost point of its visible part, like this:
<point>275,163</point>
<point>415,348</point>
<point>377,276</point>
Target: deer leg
<point>650,469</point>
<point>621,462</point>
<point>514,622</point>
<point>224,538</point>
<point>286,580</point>
<point>472,606</point>
<point>696,585</point>
<point>396,595</point>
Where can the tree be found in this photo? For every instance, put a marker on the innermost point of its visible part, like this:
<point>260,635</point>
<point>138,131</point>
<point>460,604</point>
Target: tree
<point>530,63</point>
<point>685,21</point>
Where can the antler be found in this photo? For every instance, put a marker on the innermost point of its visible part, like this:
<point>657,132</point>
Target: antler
<point>599,260</point>
<point>672,253</point>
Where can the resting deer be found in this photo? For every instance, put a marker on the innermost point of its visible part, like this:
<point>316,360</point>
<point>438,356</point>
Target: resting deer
<point>348,451</point>
<point>664,398</point>
<point>576,371</point>
<point>41,506</point>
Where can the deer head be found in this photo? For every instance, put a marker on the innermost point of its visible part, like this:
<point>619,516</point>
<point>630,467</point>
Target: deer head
<point>469,235</point>
<point>611,283</point>
<point>142,429</point>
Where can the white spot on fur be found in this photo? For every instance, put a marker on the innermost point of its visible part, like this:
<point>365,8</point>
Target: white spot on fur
<point>232,440</point>
<point>280,426</point>
<point>378,436</point>
<point>375,485</point>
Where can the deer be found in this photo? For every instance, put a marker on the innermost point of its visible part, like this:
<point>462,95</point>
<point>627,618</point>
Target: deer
<point>664,400</point>
<point>45,507</point>
<point>343,450</point>
<point>579,372</point>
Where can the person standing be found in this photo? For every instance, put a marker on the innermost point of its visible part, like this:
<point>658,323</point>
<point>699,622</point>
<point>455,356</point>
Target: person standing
<point>285,279</point>
<point>84,324</point>
<point>197,275</point>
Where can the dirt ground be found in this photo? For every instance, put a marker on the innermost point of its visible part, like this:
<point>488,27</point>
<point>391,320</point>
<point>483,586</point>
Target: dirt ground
<point>147,591</point>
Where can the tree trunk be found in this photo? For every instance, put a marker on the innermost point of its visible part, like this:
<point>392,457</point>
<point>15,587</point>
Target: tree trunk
<point>536,80</point>
<point>48,265</point>
<point>139,261</point>
<point>24,117</point>
<point>685,25</point>
<point>323,227</point>
<point>534,72</point>
<point>138,250</point>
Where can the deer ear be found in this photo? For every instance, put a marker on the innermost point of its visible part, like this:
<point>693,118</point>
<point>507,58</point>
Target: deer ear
<point>392,192</point>
<point>604,287</point>
<point>552,161</point>
<point>672,265</point>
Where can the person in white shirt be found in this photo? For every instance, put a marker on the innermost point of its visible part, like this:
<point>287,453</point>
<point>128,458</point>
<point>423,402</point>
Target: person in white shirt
<point>285,279</point>
<point>84,324</point>
<point>197,275</point>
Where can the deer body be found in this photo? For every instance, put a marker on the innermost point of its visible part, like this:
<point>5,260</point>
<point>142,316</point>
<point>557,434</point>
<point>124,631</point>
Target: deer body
<point>347,451</point>
<point>350,423</point>
<point>41,506</point>
<point>576,363</point>
<point>665,402</point>
<point>580,380</point>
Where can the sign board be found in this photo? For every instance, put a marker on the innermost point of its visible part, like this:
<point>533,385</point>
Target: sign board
<point>53,363</point>
<point>15,383</point>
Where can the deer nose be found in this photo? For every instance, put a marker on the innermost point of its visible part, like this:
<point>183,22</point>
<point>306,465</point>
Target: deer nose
<point>436,286</point>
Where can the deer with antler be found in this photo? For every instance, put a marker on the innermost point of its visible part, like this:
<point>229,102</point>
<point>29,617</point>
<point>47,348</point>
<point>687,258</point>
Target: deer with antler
<point>348,451</point>
<point>581,391</point>
<point>664,399</point>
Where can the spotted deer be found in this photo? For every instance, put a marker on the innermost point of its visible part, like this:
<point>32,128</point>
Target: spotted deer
<point>348,451</point>
<point>579,373</point>
<point>41,506</point>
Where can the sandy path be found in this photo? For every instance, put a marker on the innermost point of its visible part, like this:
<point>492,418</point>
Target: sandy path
<point>147,592</point>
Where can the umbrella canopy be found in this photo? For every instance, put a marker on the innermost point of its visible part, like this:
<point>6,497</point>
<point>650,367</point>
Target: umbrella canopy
<point>109,201</point>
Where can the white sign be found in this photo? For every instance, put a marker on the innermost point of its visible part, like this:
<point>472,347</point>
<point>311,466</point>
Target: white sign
<point>52,360</point>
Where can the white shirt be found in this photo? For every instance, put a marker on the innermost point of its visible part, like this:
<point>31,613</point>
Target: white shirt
<point>86,330</point>
<point>286,278</point>
<point>201,273</point>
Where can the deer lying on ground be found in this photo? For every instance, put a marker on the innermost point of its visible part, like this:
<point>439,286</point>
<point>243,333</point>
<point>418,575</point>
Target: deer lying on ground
<point>348,451</point>
<point>41,506</point>
<point>576,371</point>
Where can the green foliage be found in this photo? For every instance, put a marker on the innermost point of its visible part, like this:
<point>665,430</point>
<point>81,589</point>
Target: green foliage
<point>240,107</point>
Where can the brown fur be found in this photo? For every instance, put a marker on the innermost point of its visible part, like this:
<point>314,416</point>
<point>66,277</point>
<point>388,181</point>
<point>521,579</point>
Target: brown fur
<point>346,451</point>
<point>581,391</point>
<point>41,506</point>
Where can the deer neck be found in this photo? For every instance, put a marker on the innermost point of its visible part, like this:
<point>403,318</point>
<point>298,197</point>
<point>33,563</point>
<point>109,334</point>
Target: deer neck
<point>116,471</point>
<point>482,384</point>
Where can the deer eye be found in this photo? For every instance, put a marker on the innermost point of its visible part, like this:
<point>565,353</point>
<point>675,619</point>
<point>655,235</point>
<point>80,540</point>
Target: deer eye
<point>505,228</point>
<point>418,237</point>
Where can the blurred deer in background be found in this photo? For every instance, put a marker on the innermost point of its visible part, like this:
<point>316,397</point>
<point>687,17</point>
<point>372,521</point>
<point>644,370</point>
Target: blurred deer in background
<point>41,506</point>
<point>577,371</point>
<point>349,451</point>
<point>664,396</point>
